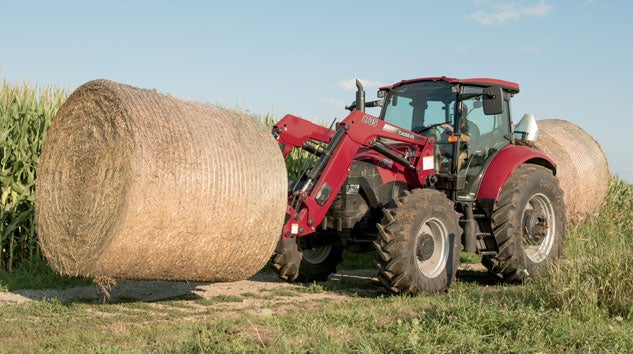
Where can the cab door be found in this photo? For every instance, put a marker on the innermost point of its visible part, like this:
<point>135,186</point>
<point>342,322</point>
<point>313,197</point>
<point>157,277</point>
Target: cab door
<point>487,134</point>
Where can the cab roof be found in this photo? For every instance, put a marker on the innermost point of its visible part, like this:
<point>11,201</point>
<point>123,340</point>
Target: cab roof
<point>509,86</point>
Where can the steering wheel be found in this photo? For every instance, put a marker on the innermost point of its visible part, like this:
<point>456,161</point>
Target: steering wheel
<point>422,129</point>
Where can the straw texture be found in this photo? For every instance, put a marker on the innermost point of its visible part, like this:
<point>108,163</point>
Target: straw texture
<point>133,184</point>
<point>582,167</point>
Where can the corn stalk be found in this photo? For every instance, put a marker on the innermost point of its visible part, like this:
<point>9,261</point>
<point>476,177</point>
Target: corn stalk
<point>25,115</point>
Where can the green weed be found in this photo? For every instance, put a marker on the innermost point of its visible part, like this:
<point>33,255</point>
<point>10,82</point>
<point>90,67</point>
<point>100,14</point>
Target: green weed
<point>597,272</point>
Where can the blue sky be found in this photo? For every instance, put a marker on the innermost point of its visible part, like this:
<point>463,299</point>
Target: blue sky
<point>573,59</point>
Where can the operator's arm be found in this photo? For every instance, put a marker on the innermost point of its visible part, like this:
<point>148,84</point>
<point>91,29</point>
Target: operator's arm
<point>464,132</point>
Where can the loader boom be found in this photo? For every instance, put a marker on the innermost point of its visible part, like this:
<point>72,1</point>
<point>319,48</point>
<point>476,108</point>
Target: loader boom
<point>308,205</point>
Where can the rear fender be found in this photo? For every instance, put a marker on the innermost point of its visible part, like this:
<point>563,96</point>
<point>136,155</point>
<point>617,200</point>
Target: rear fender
<point>504,163</point>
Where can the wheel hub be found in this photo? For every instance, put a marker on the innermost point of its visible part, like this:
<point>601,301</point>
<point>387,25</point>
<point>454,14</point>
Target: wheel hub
<point>535,227</point>
<point>312,251</point>
<point>426,245</point>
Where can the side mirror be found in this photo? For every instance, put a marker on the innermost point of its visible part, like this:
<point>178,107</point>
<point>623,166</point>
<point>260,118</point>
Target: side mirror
<point>493,100</point>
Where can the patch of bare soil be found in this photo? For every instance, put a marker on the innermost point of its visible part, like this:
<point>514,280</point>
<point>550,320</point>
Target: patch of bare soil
<point>262,288</point>
<point>151,291</point>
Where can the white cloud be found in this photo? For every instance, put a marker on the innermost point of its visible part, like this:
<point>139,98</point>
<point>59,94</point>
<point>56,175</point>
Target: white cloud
<point>500,12</point>
<point>539,10</point>
<point>350,85</point>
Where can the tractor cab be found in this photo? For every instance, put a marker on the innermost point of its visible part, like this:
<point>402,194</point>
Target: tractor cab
<point>469,121</point>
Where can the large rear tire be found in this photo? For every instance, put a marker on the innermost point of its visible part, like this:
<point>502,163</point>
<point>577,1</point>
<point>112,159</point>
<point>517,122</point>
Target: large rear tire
<point>528,223</point>
<point>306,259</point>
<point>418,244</point>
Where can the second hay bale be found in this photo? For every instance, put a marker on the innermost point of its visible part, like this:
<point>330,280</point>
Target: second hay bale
<point>582,167</point>
<point>134,184</point>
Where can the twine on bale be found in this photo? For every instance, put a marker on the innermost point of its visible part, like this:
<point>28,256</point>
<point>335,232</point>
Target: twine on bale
<point>133,184</point>
<point>582,167</point>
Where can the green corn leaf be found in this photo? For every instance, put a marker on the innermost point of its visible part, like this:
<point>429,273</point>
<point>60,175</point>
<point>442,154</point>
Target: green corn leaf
<point>26,113</point>
<point>17,222</point>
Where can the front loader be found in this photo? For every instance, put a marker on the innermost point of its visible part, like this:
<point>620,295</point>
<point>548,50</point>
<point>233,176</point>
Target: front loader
<point>437,172</point>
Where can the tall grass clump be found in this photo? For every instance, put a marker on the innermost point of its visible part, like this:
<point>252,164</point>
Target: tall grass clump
<point>25,115</point>
<point>596,275</point>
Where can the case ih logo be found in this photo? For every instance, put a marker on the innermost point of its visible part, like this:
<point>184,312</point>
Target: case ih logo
<point>405,134</point>
<point>369,120</point>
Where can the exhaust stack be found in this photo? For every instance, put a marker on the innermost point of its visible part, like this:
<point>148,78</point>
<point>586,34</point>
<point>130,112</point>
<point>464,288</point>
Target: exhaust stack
<point>360,96</point>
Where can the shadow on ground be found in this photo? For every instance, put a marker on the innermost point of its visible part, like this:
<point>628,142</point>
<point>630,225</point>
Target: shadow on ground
<point>346,283</point>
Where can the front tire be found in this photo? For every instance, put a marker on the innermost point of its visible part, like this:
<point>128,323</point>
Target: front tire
<point>308,258</point>
<point>528,223</point>
<point>418,245</point>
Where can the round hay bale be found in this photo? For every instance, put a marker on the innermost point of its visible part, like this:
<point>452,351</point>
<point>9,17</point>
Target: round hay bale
<point>133,184</point>
<point>582,167</point>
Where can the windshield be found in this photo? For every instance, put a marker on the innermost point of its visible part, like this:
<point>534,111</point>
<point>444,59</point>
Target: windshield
<point>421,104</point>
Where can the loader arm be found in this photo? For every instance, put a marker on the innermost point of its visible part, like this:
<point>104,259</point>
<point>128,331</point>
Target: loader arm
<point>292,131</point>
<point>308,205</point>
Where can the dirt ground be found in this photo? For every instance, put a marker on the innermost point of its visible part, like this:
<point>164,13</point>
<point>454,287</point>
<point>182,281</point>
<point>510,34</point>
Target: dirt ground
<point>151,291</point>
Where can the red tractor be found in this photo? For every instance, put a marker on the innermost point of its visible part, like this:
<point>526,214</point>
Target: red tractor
<point>438,172</point>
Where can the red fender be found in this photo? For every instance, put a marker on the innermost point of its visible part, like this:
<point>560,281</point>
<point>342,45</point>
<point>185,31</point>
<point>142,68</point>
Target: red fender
<point>504,163</point>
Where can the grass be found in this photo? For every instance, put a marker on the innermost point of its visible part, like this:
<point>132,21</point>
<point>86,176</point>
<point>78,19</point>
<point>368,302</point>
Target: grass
<point>35,273</point>
<point>470,318</point>
<point>582,306</point>
<point>596,275</point>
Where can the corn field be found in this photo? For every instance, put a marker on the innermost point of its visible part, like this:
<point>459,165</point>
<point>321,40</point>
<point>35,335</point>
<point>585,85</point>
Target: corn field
<point>25,115</point>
